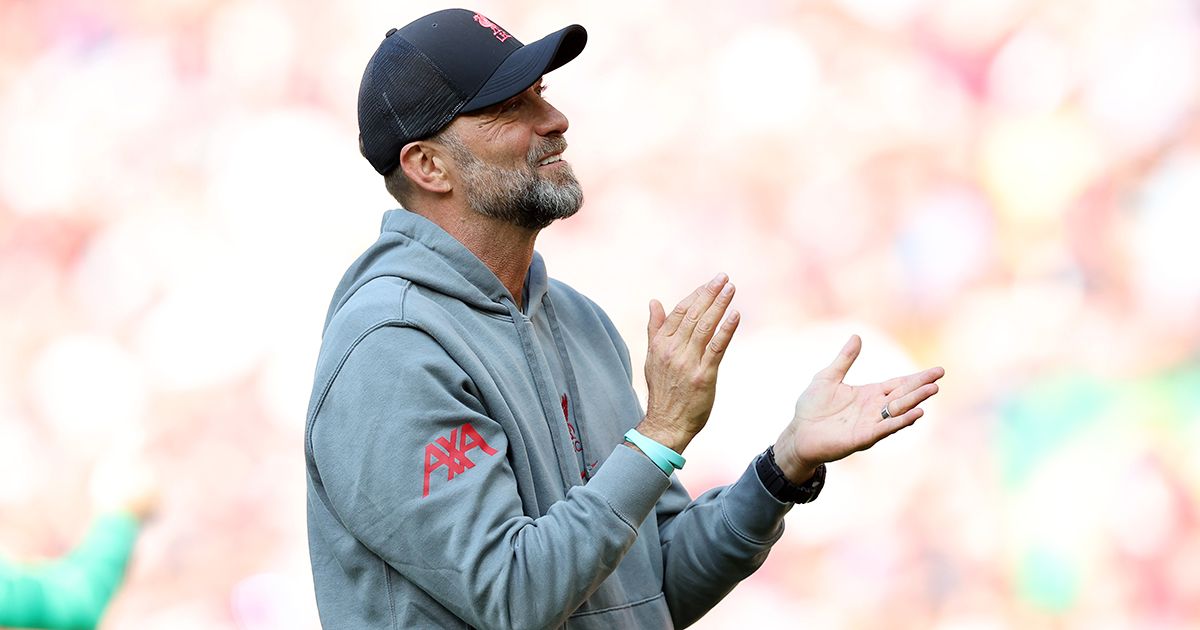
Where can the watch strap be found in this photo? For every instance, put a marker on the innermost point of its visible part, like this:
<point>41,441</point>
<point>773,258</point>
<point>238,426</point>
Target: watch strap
<point>780,487</point>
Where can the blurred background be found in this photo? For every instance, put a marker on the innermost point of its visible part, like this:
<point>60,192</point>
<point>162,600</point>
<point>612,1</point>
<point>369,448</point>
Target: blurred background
<point>1009,189</point>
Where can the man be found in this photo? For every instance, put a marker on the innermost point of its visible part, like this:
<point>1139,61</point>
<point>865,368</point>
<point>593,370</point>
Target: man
<point>470,458</point>
<point>74,590</point>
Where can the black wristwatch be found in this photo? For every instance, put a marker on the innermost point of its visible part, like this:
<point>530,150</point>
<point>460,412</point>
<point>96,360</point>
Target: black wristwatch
<point>777,484</point>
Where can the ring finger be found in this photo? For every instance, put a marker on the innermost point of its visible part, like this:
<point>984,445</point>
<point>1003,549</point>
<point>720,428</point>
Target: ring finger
<point>903,404</point>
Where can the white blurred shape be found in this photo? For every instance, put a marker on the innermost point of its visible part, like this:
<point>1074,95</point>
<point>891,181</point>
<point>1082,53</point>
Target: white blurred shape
<point>974,26</point>
<point>763,80</point>
<point>251,46</point>
<point>292,172</point>
<point>266,601</point>
<point>125,85</point>
<point>1164,237</point>
<point>977,621</point>
<point>69,121</point>
<point>286,380</point>
<point>884,14</point>
<point>1035,166</point>
<point>755,604</point>
<point>206,331</point>
<point>90,389</point>
<point>946,241</point>
<point>114,279</point>
<point>827,216</point>
<point>197,613</point>
<point>1064,503</point>
<point>123,480</point>
<point>1146,83</point>
<point>296,203</point>
<point>1000,335</point>
<point>1148,521</point>
<point>20,466</point>
<point>42,170</point>
<point>1031,74</point>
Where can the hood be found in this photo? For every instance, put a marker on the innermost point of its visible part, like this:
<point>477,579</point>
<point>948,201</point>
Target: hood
<point>418,250</point>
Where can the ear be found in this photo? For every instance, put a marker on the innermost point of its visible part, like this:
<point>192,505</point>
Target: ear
<point>425,167</point>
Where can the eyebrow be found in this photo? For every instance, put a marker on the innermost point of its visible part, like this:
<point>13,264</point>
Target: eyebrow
<point>536,84</point>
<point>494,110</point>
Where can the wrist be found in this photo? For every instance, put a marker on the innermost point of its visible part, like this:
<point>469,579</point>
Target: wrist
<point>667,460</point>
<point>794,468</point>
<point>673,439</point>
<point>782,488</point>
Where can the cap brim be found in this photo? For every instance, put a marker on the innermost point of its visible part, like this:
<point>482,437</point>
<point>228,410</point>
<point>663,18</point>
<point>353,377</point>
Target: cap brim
<point>527,64</point>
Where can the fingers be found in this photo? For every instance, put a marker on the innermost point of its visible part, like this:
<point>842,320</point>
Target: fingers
<point>903,404</point>
<point>715,350</point>
<point>894,424</point>
<point>684,308</point>
<point>681,310</point>
<point>698,317</point>
<point>836,371</point>
<point>912,381</point>
<point>707,324</point>
<point>902,408</point>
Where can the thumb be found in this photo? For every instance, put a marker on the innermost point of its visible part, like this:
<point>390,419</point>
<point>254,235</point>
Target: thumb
<point>657,317</point>
<point>836,371</point>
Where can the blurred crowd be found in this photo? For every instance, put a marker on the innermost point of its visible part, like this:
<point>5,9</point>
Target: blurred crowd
<point>1009,189</point>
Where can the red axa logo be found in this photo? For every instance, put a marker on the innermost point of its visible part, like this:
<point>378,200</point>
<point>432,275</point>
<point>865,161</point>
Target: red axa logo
<point>496,30</point>
<point>451,452</point>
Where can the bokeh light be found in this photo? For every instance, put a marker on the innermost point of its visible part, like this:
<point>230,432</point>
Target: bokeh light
<point>1009,189</point>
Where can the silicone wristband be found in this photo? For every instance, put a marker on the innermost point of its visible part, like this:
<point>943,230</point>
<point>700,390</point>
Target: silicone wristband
<point>666,459</point>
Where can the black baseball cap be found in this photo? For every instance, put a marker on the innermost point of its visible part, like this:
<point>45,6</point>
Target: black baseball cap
<point>447,63</point>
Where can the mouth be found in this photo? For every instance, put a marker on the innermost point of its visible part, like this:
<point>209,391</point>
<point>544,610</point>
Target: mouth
<point>550,159</point>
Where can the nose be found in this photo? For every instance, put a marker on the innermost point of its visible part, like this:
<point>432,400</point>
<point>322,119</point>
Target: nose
<point>550,120</point>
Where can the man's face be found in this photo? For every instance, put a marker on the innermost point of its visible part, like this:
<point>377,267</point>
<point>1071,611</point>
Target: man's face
<point>510,164</point>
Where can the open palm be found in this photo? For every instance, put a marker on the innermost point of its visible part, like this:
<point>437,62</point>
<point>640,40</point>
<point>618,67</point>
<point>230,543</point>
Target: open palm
<point>834,419</point>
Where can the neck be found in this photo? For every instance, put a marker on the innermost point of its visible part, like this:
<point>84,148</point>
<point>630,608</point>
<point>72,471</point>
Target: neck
<point>506,249</point>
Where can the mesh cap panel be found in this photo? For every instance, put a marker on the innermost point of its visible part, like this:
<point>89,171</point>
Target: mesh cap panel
<point>403,98</point>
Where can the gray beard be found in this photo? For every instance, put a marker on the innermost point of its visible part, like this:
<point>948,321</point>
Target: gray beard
<point>519,196</point>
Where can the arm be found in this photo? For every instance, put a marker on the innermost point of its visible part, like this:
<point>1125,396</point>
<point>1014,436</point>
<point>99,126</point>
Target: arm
<point>71,592</point>
<point>712,543</point>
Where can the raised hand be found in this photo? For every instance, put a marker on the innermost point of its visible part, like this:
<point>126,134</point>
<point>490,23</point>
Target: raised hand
<point>685,348</point>
<point>834,419</point>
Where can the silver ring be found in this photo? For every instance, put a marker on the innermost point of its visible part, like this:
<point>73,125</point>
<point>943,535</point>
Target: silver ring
<point>885,413</point>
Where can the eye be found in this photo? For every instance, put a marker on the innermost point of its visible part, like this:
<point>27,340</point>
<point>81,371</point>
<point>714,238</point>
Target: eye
<point>541,89</point>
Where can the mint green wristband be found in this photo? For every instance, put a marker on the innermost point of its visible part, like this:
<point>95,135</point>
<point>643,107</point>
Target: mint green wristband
<point>666,459</point>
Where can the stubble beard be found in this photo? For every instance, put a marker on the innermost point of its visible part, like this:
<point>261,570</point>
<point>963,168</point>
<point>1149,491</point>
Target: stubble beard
<point>520,196</point>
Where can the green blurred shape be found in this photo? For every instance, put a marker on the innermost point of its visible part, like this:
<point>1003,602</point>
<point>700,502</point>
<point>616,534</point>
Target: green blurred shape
<point>1039,420</point>
<point>1048,580</point>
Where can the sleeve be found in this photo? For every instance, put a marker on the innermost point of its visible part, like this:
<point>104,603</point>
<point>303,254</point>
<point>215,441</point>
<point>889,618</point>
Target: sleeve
<point>416,470</point>
<point>71,592</point>
<point>712,543</point>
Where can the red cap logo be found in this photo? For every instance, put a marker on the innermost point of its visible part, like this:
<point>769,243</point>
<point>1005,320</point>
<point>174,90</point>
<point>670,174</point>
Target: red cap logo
<point>496,30</point>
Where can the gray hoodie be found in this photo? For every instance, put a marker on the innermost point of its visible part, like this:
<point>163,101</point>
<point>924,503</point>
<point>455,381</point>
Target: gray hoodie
<point>465,466</point>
